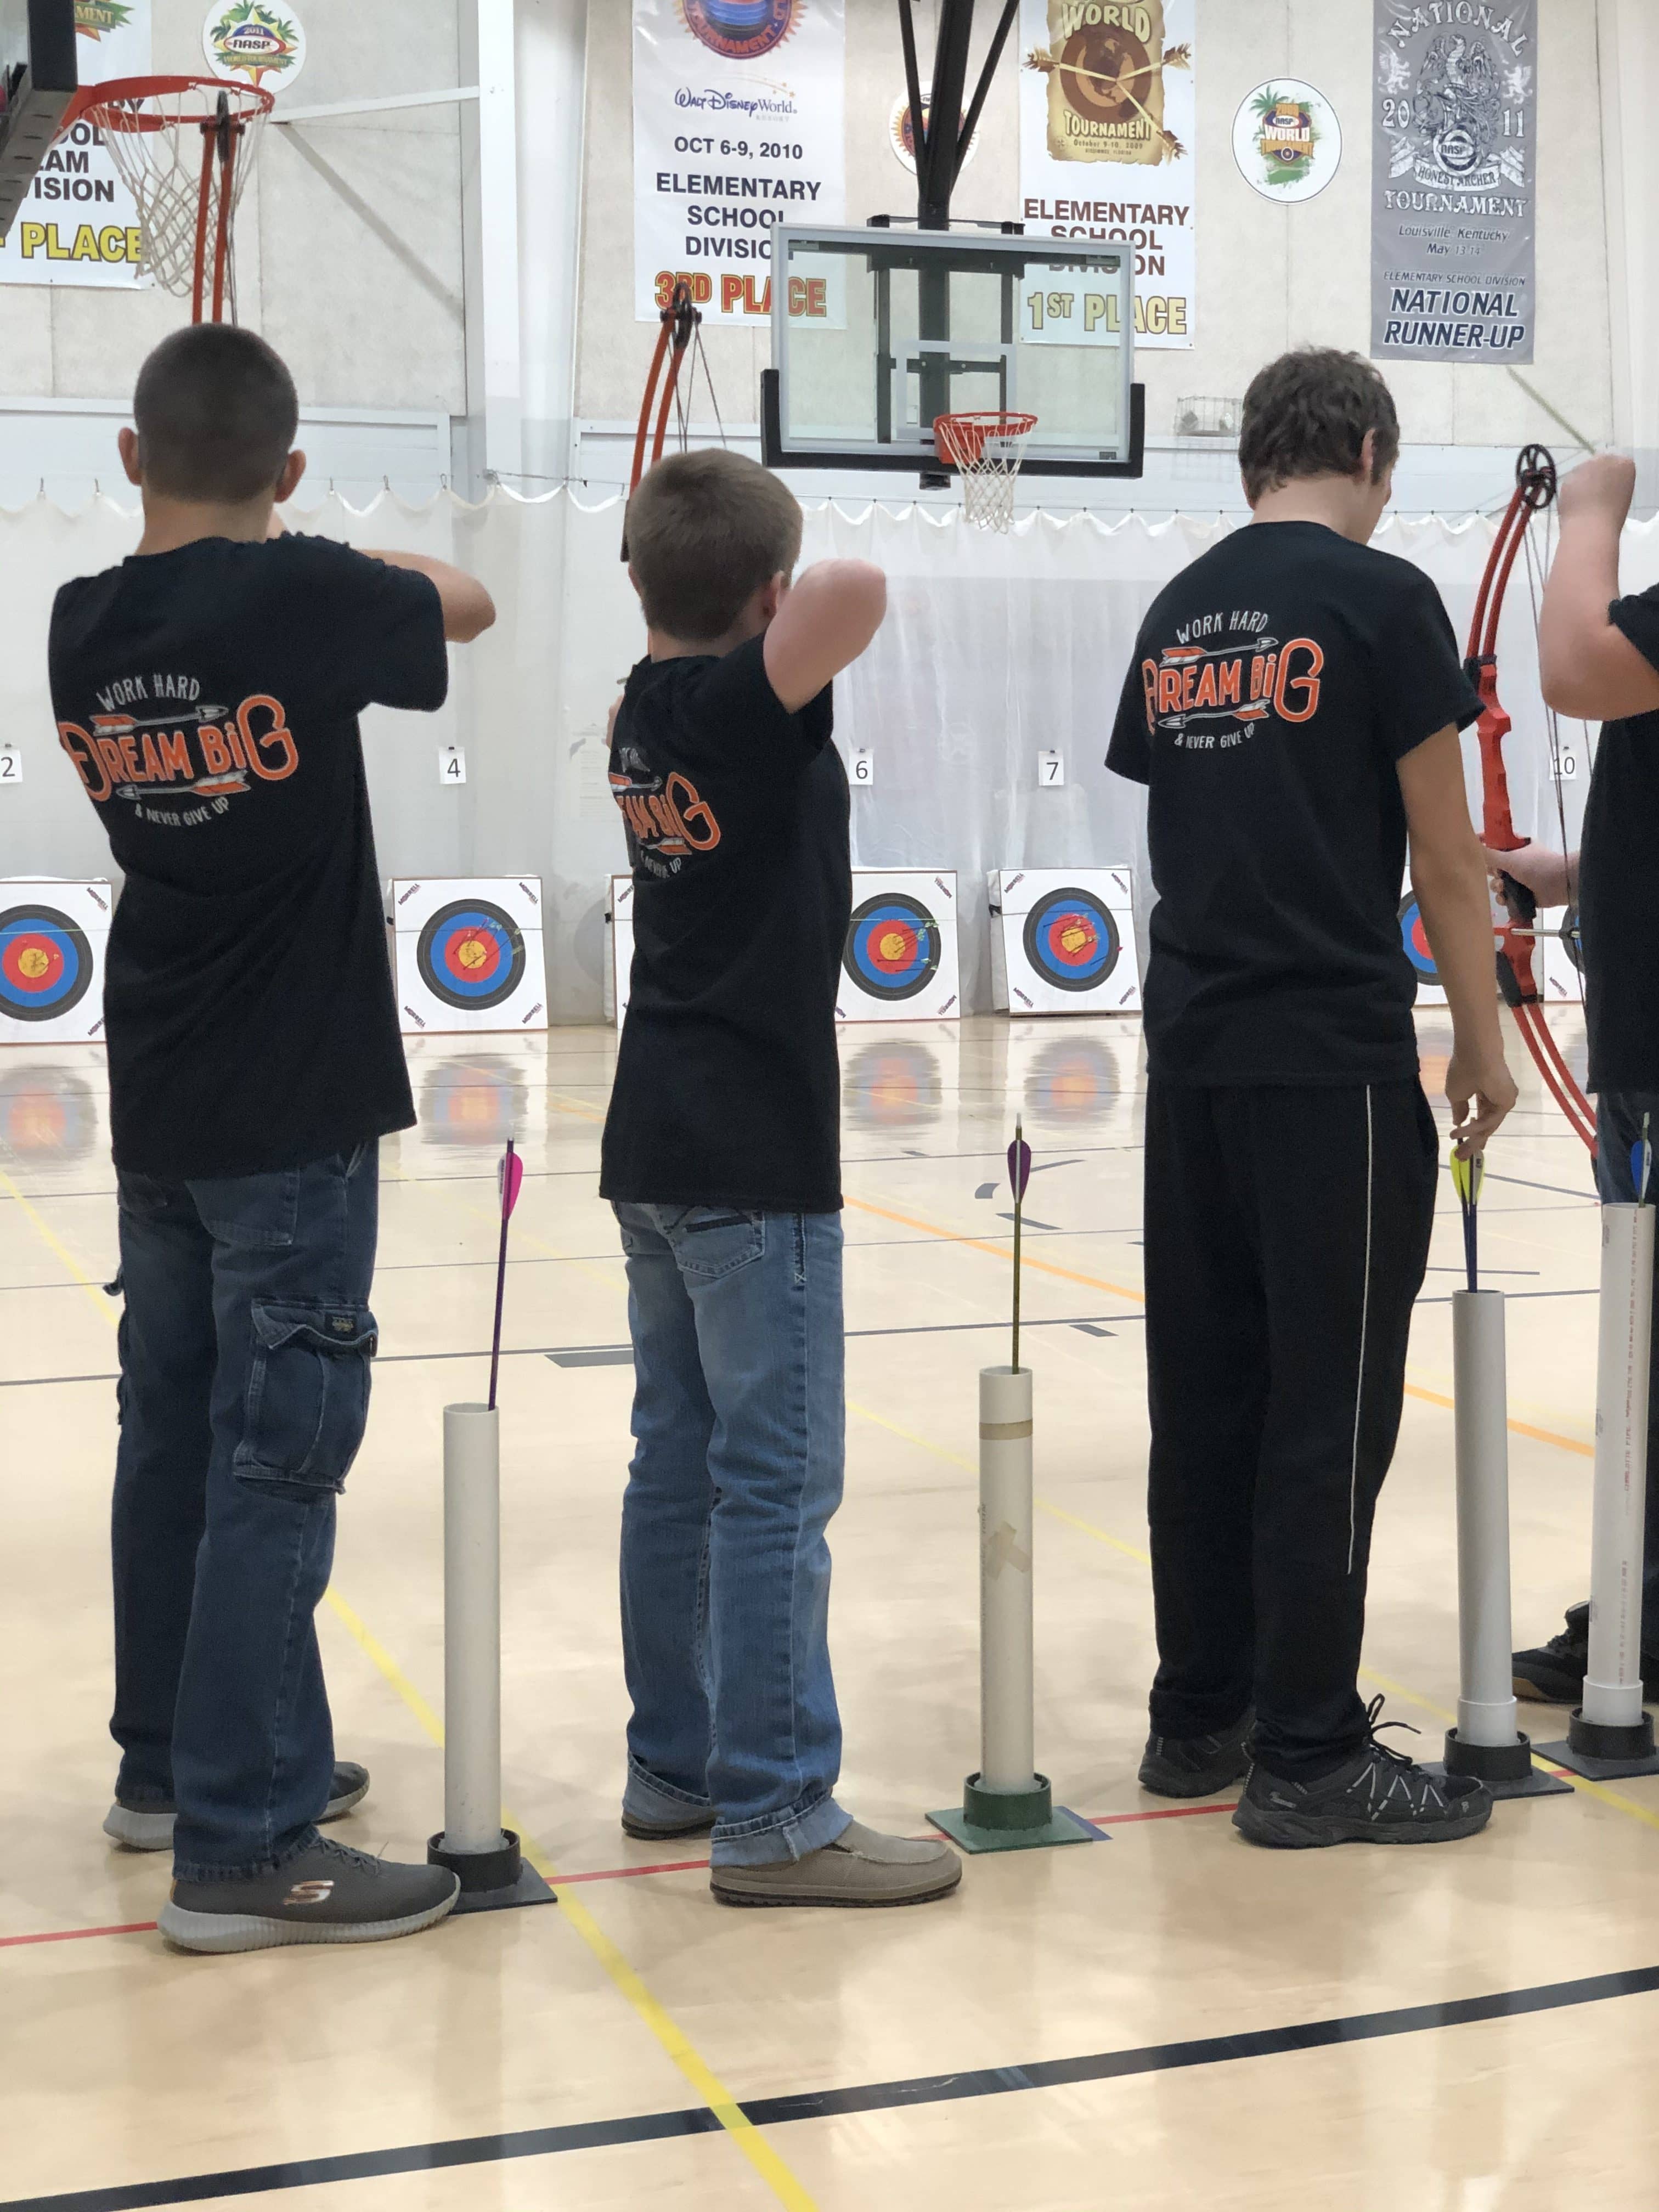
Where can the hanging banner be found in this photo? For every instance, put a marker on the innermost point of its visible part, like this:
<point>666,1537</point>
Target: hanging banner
<point>78,224</point>
<point>1454,181</point>
<point>1108,111</point>
<point>739,109</point>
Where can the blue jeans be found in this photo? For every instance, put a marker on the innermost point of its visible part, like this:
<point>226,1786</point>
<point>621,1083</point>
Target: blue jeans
<point>1619,1117</point>
<point>245,1367</point>
<point>739,1427</point>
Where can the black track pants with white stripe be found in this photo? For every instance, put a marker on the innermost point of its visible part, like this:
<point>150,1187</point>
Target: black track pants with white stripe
<point>1286,1238</point>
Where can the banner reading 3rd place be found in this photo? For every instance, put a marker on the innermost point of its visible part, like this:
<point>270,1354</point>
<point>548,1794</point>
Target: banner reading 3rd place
<point>1108,113</point>
<point>78,224</point>
<point>739,126</point>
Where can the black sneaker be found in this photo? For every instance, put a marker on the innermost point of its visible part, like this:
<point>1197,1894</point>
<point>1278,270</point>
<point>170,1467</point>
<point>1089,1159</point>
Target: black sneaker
<point>147,1826</point>
<point>1553,1673</point>
<point>1197,1765</point>
<point>1380,1796</point>
<point>328,1895</point>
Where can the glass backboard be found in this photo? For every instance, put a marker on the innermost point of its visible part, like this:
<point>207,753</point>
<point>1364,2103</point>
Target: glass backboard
<point>37,84</point>
<point>876,332</point>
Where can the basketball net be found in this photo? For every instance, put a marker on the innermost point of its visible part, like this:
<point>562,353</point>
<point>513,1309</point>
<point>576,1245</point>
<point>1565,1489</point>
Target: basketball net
<point>183,146</point>
<point>986,450</point>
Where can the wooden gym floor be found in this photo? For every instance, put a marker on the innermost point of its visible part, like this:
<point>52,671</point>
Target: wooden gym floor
<point>1165,2018</point>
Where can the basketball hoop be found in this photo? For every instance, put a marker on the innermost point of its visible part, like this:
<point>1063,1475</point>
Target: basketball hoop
<point>183,146</point>
<point>985,450</point>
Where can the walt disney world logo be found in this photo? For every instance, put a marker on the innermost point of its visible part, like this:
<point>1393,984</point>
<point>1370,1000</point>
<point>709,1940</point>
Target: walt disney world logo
<point>741,30</point>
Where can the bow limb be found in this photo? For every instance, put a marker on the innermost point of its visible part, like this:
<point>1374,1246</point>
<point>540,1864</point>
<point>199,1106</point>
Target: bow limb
<point>680,323</point>
<point>1517,935</point>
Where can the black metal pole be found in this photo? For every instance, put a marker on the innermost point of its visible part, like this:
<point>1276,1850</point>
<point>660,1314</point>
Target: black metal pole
<point>937,162</point>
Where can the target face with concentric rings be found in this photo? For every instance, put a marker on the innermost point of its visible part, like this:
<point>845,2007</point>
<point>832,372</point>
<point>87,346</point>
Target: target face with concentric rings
<point>893,946</point>
<point>1072,940</point>
<point>1415,938</point>
<point>471,955</point>
<point>45,964</point>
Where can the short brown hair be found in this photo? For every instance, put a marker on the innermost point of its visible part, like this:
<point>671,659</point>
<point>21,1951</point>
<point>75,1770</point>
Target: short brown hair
<point>216,412</point>
<point>705,531</point>
<point>1306,415</point>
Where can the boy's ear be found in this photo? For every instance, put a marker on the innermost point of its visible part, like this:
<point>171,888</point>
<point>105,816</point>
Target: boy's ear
<point>288,482</point>
<point>772,595</point>
<point>634,579</point>
<point>128,442</point>
<point>1368,457</point>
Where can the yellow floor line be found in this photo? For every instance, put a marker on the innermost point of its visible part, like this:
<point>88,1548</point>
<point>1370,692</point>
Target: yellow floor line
<point>60,1252</point>
<point>1121,1289</point>
<point>709,2088</point>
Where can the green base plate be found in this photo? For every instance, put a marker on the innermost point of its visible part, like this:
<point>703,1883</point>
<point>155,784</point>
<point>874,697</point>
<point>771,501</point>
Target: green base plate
<point>1063,1828</point>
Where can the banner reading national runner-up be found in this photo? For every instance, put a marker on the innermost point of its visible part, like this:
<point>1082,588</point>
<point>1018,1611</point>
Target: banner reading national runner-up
<point>1455,181</point>
<point>739,126</point>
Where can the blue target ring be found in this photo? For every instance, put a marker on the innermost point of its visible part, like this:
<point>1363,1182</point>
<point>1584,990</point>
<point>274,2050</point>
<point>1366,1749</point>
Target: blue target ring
<point>45,964</point>
<point>1072,940</point>
<point>1415,940</point>
<point>471,955</point>
<point>893,947</point>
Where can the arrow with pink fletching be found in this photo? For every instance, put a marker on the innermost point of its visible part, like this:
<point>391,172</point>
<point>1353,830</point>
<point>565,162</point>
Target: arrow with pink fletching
<point>511,1178</point>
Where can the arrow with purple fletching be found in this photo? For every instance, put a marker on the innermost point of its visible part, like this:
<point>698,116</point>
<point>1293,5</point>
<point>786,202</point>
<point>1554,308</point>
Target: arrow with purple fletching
<point>510,1177</point>
<point>1019,1174</point>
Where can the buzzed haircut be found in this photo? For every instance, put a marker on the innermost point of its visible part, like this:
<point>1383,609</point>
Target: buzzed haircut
<point>216,413</point>
<point>705,531</point>
<point>1306,415</point>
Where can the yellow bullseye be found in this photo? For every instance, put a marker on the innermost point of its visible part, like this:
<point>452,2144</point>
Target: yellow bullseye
<point>471,955</point>
<point>33,965</point>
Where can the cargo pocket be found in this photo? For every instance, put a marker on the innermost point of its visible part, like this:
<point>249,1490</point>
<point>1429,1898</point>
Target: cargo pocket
<point>307,1397</point>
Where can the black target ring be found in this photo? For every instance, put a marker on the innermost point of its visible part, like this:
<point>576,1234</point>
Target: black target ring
<point>45,964</point>
<point>471,955</point>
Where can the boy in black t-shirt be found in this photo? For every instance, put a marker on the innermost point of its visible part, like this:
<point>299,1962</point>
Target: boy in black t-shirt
<point>722,1159</point>
<point>207,692</point>
<point>1294,707</point>
<point>1599,661</point>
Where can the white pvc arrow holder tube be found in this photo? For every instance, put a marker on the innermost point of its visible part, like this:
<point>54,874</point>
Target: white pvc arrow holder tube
<point>472,1630</point>
<point>1008,1666</point>
<point>1486,1706</point>
<point>1613,1679</point>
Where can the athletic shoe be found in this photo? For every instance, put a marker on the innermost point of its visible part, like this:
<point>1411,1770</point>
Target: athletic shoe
<point>1197,1765</point>
<point>859,1869</point>
<point>695,1824</point>
<point>147,1826</point>
<point>1378,1796</point>
<point>1553,1673</point>
<point>327,1894</point>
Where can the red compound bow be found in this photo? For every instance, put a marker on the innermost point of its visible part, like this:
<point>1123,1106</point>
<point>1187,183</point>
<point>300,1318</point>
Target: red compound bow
<point>1534,491</point>
<point>680,339</point>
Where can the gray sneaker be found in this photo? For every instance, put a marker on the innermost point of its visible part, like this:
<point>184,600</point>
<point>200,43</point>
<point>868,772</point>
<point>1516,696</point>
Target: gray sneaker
<point>147,1826</point>
<point>328,1895</point>
<point>860,1868</point>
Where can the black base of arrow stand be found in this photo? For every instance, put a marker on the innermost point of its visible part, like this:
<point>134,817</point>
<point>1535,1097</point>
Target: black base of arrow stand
<point>492,1882</point>
<point>1506,1769</point>
<point>1604,1753</point>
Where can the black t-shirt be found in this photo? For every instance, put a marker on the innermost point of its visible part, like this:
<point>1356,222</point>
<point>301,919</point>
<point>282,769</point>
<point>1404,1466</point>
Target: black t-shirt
<point>209,699</point>
<point>1277,683</point>
<point>727,1090</point>
<point>1619,885</point>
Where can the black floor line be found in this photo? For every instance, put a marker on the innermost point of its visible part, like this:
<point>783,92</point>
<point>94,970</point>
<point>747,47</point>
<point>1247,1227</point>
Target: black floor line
<point>871,2097</point>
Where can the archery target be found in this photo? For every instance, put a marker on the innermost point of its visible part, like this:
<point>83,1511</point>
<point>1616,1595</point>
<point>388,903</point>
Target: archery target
<point>619,952</point>
<point>1414,941</point>
<point>900,962</point>
<point>52,940</point>
<point>465,959</point>
<point>1560,966</point>
<point>1063,941</point>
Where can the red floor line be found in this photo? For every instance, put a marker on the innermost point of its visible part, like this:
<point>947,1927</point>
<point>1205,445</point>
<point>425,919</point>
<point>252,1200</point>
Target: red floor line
<point>79,1934</point>
<point>603,1874</point>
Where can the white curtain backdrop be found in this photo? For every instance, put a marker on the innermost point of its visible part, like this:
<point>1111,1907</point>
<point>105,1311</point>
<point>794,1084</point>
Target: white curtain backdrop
<point>995,649</point>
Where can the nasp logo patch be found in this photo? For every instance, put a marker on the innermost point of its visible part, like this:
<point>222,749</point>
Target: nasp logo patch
<point>741,30</point>
<point>254,41</point>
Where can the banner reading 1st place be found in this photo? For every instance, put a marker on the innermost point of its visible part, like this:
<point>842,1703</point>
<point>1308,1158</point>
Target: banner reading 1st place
<point>1108,113</point>
<point>740,126</point>
<point>78,224</point>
